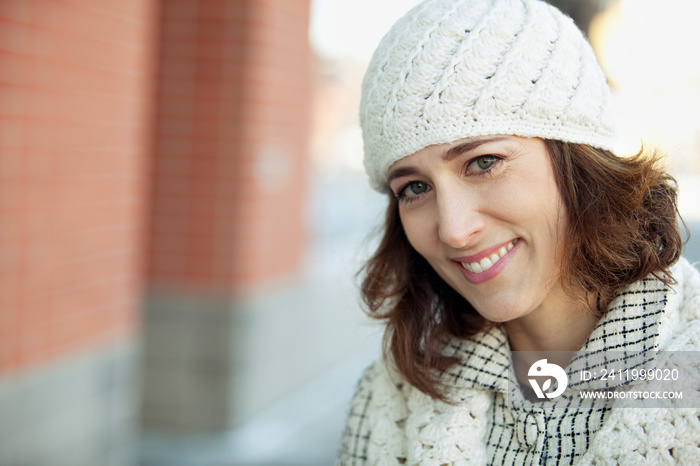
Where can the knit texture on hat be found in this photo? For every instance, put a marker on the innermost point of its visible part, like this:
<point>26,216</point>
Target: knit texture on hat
<point>453,69</point>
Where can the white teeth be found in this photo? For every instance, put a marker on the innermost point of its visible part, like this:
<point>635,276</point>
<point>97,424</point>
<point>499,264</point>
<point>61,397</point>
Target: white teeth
<point>487,262</point>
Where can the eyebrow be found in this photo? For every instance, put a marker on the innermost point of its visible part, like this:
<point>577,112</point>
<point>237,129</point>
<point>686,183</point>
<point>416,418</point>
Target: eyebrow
<point>450,154</point>
<point>467,146</point>
<point>401,171</point>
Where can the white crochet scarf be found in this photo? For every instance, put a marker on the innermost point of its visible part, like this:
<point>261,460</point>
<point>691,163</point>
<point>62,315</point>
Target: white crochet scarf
<point>410,428</point>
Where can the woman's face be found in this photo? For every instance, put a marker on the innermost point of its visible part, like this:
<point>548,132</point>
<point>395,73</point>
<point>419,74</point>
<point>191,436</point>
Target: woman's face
<point>487,215</point>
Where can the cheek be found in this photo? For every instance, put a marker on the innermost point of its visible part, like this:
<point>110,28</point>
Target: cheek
<point>417,231</point>
<point>538,199</point>
<point>552,229</point>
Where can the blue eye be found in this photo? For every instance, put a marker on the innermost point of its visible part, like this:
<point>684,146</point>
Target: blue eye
<point>415,188</point>
<point>412,189</point>
<point>483,163</point>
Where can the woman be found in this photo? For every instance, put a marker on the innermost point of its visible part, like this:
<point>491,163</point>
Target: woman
<point>514,232</point>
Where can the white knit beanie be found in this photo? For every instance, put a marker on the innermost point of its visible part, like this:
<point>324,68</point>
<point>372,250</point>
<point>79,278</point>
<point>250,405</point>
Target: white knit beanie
<point>453,69</point>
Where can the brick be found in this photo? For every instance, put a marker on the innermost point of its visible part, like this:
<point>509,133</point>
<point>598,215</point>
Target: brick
<point>214,165</point>
<point>14,69</point>
<point>73,138</point>
<point>46,13</point>
<point>13,100</point>
<point>179,9</point>
<point>14,10</point>
<point>42,136</point>
<point>14,37</point>
<point>42,44</point>
<point>79,273</point>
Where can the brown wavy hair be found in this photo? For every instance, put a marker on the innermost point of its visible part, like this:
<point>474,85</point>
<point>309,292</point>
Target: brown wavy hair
<point>623,226</point>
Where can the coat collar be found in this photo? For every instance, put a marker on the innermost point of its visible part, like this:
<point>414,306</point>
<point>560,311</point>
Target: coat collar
<point>629,328</point>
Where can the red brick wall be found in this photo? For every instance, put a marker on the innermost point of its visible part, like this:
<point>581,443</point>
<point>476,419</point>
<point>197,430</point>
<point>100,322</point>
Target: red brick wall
<point>230,167</point>
<point>75,87</point>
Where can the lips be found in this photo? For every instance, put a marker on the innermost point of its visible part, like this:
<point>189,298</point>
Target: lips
<point>487,264</point>
<point>490,260</point>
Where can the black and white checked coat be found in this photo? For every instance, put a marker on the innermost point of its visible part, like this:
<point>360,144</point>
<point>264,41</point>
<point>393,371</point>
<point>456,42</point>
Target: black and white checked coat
<point>392,423</point>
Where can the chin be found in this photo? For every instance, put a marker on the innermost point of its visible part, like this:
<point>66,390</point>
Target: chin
<point>500,311</point>
<point>500,318</point>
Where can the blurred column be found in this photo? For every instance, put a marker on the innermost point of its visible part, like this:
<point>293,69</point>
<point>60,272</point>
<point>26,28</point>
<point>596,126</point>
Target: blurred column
<point>227,211</point>
<point>75,93</point>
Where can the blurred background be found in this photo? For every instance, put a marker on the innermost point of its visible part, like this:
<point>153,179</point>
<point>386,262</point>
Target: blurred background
<point>183,211</point>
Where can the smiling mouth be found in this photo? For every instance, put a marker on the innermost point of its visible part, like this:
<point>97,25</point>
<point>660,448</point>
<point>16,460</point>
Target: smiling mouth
<point>487,262</point>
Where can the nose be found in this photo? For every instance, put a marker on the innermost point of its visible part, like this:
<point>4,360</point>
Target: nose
<point>459,219</point>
